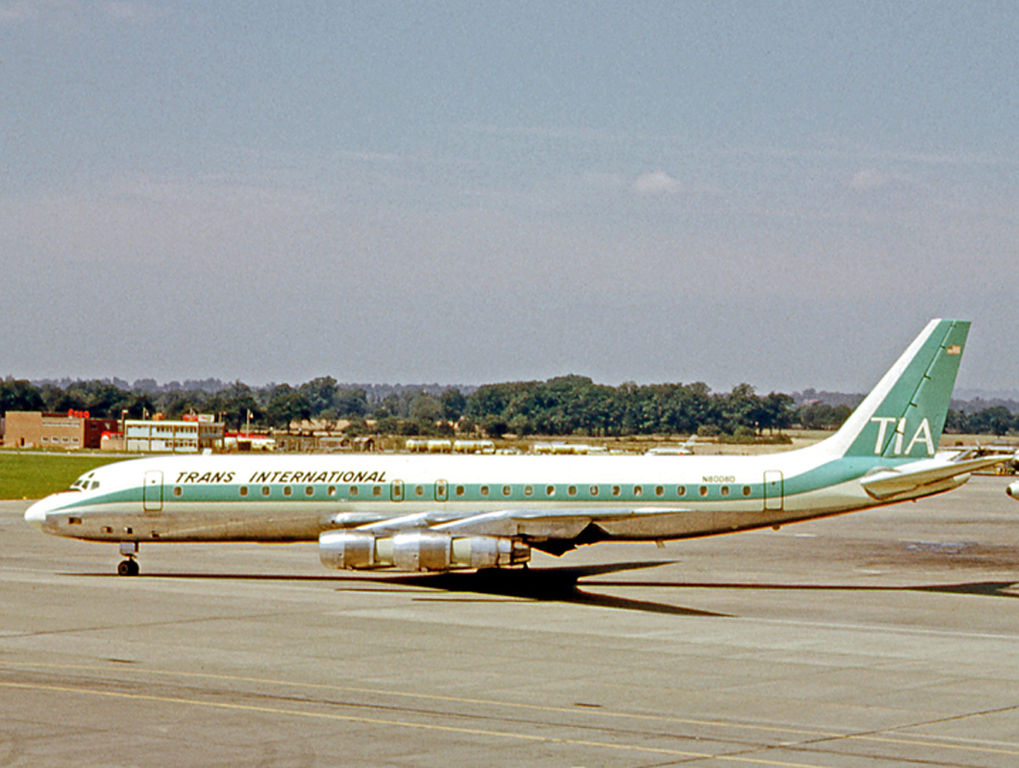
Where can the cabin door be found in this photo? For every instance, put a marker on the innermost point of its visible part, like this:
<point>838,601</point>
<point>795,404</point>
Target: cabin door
<point>441,490</point>
<point>152,491</point>
<point>773,490</point>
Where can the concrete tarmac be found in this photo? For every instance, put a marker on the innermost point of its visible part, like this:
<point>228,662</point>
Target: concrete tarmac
<point>886,637</point>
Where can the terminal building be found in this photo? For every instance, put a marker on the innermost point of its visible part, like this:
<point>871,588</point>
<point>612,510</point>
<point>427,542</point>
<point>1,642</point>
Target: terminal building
<point>190,435</point>
<point>65,431</point>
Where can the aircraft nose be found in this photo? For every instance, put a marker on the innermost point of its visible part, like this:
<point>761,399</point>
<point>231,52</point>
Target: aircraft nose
<point>35,515</point>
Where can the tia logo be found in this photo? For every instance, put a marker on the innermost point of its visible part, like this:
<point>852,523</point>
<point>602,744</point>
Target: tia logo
<point>922,435</point>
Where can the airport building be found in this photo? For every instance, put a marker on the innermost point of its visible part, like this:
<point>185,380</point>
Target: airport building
<point>189,435</point>
<point>66,431</point>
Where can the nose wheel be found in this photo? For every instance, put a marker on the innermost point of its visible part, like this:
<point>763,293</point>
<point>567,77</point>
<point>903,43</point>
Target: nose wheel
<point>128,566</point>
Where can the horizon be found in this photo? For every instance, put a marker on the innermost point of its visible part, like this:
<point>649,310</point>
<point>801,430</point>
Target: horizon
<point>960,394</point>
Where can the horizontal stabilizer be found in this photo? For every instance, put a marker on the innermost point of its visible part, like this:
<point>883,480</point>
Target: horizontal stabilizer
<point>926,474</point>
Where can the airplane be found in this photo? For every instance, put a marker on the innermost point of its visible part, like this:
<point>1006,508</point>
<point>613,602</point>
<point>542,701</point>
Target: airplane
<point>445,512</point>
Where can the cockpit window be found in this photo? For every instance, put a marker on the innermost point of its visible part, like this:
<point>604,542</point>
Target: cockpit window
<point>82,484</point>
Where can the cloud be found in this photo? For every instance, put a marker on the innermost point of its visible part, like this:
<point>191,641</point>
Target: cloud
<point>872,178</point>
<point>13,13</point>
<point>655,183</point>
<point>869,178</point>
<point>76,12</point>
<point>130,11</point>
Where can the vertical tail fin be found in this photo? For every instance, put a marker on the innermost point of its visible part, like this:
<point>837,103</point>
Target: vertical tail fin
<point>904,414</point>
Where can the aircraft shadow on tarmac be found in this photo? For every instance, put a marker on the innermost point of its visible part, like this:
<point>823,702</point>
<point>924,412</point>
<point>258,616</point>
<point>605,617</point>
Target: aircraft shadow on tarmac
<point>984,588</point>
<point>549,585</point>
<point>563,585</point>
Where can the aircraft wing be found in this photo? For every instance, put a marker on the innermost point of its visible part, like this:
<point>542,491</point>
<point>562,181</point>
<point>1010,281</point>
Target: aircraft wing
<point>534,524</point>
<point>932,475</point>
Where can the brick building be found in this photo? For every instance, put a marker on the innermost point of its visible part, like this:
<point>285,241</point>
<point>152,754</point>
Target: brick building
<point>66,431</point>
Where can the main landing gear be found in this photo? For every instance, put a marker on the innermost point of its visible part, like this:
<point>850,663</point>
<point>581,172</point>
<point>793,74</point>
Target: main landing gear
<point>129,566</point>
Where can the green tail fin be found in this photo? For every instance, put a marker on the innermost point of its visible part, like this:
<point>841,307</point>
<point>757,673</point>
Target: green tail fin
<point>904,414</point>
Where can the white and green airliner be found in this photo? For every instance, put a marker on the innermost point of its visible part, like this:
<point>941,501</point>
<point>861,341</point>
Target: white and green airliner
<point>437,513</point>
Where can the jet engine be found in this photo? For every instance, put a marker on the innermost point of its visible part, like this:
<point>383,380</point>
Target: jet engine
<point>419,551</point>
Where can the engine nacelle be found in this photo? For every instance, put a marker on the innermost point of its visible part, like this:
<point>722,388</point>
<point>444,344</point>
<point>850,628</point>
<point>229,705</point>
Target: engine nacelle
<point>343,549</point>
<point>1012,489</point>
<point>419,551</point>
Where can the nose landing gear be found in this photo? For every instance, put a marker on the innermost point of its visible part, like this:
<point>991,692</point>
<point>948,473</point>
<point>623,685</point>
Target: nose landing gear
<point>129,566</point>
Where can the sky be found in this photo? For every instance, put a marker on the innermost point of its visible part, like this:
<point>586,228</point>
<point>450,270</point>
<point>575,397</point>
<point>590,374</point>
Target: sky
<point>776,193</point>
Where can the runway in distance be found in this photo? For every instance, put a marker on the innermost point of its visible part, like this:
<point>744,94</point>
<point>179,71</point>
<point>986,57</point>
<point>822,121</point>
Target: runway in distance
<point>437,513</point>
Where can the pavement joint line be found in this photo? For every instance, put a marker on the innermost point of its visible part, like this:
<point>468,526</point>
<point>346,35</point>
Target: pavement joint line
<point>404,724</point>
<point>874,628</point>
<point>148,624</point>
<point>814,734</point>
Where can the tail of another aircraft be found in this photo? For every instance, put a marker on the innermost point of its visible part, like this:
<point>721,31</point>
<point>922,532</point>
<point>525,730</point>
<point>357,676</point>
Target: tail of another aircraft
<point>904,414</point>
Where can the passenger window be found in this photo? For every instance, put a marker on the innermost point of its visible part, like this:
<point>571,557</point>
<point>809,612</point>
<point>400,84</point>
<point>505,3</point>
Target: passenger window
<point>243,490</point>
<point>681,490</point>
<point>178,491</point>
<point>506,490</point>
<point>353,491</point>
<point>725,490</point>
<point>484,490</point>
<point>309,490</point>
<point>615,490</point>
<point>637,490</point>
<point>376,490</point>
<point>419,490</point>
<point>594,490</point>
<point>703,490</point>
<point>572,490</point>
<point>287,490</point>
<point>659,491</point>
<point>332,490</point>
<point>265,490</point>
<point>550,490</point>
<point>746,490</point>
<point>528,490</point>
<point>460,490</point>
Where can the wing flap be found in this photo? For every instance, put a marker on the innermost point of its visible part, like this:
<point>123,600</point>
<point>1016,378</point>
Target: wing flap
<point>553,523</point>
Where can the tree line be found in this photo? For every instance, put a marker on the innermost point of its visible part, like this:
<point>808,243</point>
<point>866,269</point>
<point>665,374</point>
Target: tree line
<point>564,405</point>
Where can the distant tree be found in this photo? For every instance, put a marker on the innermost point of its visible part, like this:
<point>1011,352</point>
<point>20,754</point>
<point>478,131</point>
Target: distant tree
<point>822,415</point>
<point>425,407</point>
<point>452,403</point>
<point>955,421</point>
<point>234,403</point>
<point>176,402</point>
<point>351,403</point>
<point>285,405</point>
<point>740,408</point>
<point>776,412</point>
<point>100,398</point>
<point>388,407</point>
<point>996,420</point>
<point>320,394</point>
<point>19,395</point>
